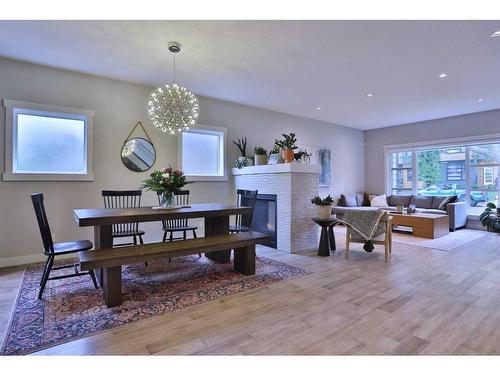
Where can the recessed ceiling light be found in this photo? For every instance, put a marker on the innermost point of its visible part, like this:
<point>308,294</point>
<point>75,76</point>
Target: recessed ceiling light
<point>443,75</point>
<point>318,108</point>
<point>494,34</point>
<point>368,121</point>
<point>369,94</point>
<point>480,100</point>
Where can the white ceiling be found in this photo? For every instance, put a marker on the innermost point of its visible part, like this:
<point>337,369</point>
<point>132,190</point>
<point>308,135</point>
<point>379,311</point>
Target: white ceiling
<point>287,66</point>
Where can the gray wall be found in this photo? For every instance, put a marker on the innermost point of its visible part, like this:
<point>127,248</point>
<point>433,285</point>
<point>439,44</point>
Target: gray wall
<point>118,106</point>
<point>476,124</point>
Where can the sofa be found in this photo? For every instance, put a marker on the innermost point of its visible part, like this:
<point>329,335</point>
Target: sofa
<point>457,212</point>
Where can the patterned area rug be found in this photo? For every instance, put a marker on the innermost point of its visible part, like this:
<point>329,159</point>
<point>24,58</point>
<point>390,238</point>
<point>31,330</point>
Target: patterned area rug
<point>72,308</point>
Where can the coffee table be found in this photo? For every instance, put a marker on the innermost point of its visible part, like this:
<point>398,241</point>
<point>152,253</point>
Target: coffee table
<point>423,225</point>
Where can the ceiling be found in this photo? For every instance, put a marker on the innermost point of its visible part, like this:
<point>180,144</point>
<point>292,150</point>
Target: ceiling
<point>287,66</point>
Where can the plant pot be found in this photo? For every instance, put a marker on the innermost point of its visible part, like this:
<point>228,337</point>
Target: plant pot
<point>288,155</point>
<point>324,212</point>
<point>250,161</point>
<point>260,159</point>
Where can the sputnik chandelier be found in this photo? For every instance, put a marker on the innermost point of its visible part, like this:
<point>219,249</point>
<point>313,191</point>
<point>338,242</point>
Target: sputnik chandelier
<point>173,108</point>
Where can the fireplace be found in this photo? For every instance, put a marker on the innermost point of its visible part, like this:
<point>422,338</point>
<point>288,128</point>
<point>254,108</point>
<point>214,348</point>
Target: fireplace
<point>264,217</point>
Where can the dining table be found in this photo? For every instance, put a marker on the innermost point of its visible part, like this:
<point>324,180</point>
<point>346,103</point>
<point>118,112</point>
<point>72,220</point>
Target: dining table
<point>215,215</point>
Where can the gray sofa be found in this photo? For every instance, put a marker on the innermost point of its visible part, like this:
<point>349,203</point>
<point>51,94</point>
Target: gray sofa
<point>457,212</point>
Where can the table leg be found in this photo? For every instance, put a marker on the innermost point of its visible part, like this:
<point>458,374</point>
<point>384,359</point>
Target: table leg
<point>214,226</point>
<point>244,260</point>
<point>331,238</point>
<point>102,239</point>
<point>324,246</point>
<point>112,281</point>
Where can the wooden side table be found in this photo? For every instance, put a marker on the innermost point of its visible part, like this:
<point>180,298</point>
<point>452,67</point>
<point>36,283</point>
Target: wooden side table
<point>327,238</point>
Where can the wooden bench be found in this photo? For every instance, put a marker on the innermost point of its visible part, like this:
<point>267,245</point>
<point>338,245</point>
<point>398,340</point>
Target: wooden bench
<point>111,260</point>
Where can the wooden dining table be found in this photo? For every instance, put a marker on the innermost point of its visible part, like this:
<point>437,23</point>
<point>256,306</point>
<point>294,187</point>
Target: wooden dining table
<point>216,217</point>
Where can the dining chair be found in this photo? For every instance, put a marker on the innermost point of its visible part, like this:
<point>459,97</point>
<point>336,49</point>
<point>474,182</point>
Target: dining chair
<point>52,250</point>
<point>384,238</point>
<point>243,222</point>
<point>171,226</point>
<point>124,199</point>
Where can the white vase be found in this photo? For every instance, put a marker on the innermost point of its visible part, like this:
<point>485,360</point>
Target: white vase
<point>324,212</point>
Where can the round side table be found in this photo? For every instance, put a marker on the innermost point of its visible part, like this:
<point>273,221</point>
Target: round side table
<point>327,238</point>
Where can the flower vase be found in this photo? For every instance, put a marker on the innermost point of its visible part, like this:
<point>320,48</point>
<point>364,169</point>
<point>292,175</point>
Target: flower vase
<point>167,199</point>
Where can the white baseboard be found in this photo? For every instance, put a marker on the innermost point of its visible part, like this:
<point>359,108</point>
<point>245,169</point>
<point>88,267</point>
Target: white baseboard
<point>27,259</point>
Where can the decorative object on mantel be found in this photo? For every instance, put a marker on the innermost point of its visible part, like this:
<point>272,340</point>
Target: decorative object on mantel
<point>260,156</point>
<point>490,218</point>
<point>165,182</point>
<point>242,160</point>
<point>287,145</point>
<point>303,156</point>
<point>324,206</point>
<point>138,154</point>
<point>173,108</point>
<point>275,154</point>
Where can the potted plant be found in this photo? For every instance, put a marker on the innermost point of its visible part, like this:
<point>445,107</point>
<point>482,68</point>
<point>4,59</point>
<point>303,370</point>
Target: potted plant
<point>275,153</point>
<point>490,218</point>
<point>288,145</point>
<point>303,156</point>
<point>165,183</point>
<point>260,156</point>
<point>324,206</point>
<point>242,160</point>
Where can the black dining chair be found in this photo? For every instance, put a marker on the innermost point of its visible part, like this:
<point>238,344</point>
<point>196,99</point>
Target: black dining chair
<point>243,222</point>
<point>52,250</point>
<point>124,199</point>
<point>171,226</point>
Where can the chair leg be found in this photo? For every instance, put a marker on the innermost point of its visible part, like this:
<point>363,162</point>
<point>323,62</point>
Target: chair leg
<point>184,236</point>
<point>171,238</point>
<point>92,276</point>
<point>135,241</point>
<point>164,236</point>
<point>44,270</point>
<point>194,233</point>
<point>141,241</point>
<point>347,246</point>
<point>46,276</point>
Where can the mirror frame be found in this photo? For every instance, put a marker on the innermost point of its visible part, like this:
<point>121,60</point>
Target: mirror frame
<point>144,139</point>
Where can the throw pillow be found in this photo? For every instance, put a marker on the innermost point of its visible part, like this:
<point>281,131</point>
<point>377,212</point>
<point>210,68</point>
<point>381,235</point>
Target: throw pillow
<point>348,200</point>
<point>379,201</point>
<point>446,201</point>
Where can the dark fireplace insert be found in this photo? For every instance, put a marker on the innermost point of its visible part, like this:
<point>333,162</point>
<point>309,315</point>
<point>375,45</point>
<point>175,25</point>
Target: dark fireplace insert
<point>265,217</point>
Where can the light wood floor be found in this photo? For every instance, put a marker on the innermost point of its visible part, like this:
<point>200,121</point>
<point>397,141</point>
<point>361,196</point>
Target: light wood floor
<point>423,301</point>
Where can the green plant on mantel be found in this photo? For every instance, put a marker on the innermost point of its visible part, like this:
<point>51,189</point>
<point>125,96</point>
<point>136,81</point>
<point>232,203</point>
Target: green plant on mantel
<point>327,201</point>
<point>260,151</point>
<point>242,145</point>
<point>288,143</point>
<point>276,147</point>
<point>490,218</point>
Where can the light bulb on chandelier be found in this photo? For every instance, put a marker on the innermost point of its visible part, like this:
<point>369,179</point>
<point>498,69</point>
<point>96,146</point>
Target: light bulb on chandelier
<point>173,108</point>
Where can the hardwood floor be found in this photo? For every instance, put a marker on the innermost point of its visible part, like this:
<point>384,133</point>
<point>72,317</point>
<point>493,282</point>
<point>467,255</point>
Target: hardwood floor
<point>423,301</point>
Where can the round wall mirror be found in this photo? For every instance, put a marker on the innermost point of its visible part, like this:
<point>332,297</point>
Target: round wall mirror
<point>138,154</point>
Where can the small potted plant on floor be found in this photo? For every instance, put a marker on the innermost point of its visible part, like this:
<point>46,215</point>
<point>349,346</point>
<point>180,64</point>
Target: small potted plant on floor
<point>260,156</point>
<point>324,206</point>
<point>242,160</point>
<point>288,145</point>
<point>490,218</point>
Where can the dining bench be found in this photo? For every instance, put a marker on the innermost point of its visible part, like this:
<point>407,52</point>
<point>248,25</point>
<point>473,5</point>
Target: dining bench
<point>110,260</point>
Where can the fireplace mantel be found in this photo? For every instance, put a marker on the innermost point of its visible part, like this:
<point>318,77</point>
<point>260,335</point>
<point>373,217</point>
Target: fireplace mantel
<point>294,185</point>
<point>277,168</point>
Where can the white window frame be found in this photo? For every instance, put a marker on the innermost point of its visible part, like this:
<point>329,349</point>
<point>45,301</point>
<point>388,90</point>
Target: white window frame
<point>465,142</point>
<point>208,129</point>
<point>11,109</point>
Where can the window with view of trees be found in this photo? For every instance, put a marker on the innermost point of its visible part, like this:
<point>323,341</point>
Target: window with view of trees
<point>471,172</point>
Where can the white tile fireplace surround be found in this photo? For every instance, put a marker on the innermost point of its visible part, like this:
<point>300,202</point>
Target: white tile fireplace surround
<point>294,185</point>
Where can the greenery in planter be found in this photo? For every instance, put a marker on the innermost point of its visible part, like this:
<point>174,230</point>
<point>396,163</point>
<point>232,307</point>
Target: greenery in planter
<point>260,151</point>
<point>288,143</point>
<point>327,201</point>
<point>490,218</point>
<point>242,145</point>
<point>297,156</point>
<point>276,147</point>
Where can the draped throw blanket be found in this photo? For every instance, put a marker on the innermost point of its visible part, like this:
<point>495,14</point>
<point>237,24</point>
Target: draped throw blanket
<point>364,226</point>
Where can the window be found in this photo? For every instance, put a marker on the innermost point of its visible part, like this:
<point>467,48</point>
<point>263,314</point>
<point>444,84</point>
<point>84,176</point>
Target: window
<point>401,172</point>
<point>203,153</point>
<point>47,143</point>
<point>470,171</point>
